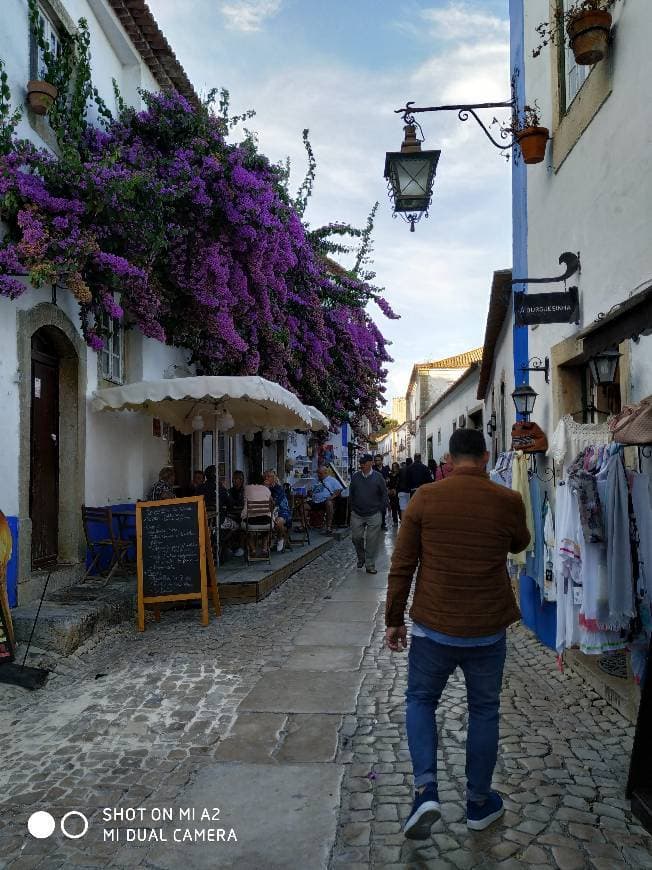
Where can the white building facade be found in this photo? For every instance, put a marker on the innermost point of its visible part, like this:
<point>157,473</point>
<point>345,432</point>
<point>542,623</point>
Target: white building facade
<point>57,453</point>
<point>591,196</point>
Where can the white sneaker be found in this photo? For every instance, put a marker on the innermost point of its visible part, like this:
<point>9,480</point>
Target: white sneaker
<point>280,544</point>
<point>238,552</point>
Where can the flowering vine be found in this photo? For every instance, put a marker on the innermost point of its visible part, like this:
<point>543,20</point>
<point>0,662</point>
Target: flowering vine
<point>157,218</point>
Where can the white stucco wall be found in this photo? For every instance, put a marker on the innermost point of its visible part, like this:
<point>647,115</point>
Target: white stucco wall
<point>598,201</point>
<point>460,400</point>
<point>502,371</point>
<point>113,55</point>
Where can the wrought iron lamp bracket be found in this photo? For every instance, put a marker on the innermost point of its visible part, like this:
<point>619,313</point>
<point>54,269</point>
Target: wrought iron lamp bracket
<point>536,364</point>
<point>464,112</point>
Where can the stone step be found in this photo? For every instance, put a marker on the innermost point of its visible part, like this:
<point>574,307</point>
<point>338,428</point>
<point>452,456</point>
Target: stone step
<point>70,616</point>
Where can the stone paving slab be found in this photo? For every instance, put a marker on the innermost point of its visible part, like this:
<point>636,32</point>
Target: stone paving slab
<point>334,634</point>
<point>284,817</point>
<point>358,592</point>
<point>278,738</point>
<point>324,658</point>
<point>291,691</point>
<point>349,611</point>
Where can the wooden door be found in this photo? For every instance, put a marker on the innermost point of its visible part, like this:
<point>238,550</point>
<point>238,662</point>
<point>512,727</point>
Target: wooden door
<point>182,460</point>
<point>44,455</point>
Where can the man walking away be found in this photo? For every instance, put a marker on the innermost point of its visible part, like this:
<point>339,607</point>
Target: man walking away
<point>368,495</point>
<point>403,486</point>
<point>459,532</point>
<point>384,470</point>
<point>418,474</point>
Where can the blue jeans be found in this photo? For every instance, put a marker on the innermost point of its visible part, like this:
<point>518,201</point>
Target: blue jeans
<point>430,664</point>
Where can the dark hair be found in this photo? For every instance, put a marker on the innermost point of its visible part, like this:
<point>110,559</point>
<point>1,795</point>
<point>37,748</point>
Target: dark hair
<point>467,442</point>
<point>210,472</point>
<point>432,464</point>
<point>256,478</point>
<point>408,461</point>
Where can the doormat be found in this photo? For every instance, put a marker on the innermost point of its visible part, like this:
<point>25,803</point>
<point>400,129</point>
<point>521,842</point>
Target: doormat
<point>614,664</point>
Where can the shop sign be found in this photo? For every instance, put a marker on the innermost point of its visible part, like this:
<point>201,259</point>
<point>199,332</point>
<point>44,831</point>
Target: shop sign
<point>531,308</point>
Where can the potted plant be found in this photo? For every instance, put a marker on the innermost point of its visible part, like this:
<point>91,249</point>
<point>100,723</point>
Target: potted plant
<point>587,24</point>
<point>40,96</point>
<point>532,138</point>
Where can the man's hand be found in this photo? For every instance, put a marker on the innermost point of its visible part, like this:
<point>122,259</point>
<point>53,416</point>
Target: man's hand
<point>396,638</point>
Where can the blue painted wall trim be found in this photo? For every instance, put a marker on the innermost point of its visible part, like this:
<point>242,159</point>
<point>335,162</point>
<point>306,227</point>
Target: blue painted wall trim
<point>519,186</point>
<point>12,567</point>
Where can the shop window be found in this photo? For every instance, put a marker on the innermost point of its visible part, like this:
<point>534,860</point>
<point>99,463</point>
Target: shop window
<point>111,357</point>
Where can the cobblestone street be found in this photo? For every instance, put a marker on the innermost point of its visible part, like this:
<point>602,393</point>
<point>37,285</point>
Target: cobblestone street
<point>167,717</point>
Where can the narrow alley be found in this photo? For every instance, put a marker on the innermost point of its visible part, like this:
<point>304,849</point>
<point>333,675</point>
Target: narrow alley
<point>287,716</point>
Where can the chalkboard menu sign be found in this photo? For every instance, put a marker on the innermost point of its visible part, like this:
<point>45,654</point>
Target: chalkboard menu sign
<point>172,545</point>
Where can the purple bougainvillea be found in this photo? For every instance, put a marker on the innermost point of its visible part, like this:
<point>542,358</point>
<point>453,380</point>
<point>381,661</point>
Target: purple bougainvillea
<point>205,248</point>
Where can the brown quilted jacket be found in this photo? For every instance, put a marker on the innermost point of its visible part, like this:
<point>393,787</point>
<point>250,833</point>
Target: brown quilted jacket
<point>459,532</point>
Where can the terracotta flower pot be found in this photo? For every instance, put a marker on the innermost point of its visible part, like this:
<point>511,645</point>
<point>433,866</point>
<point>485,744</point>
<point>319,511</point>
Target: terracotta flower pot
<point>40,96</point>
<point>532,142</point>
<point>588,36</point>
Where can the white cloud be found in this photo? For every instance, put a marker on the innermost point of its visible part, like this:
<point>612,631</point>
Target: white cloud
<point>464,21</point>
<point>248,15</point>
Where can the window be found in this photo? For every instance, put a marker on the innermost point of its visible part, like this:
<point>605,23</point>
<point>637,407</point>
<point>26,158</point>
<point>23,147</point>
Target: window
<point>574,75</point>
<point>53,40</point>
<point>112,354</point>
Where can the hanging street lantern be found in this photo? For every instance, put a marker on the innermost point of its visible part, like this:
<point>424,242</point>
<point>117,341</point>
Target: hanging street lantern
<point>603,367</point>
<point>410,174</point>
<point>524,398</point>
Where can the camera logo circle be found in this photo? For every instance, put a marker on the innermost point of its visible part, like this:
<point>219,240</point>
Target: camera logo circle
<point>41,825</point>
<point>69,815</point>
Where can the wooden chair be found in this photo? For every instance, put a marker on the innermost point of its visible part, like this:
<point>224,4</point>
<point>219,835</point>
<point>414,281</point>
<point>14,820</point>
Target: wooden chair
<point>299,522</point>
<point>108,547</point>
<point>260,532</point>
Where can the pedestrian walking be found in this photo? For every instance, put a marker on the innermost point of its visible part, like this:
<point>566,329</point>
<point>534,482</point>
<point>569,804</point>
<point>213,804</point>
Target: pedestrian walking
<point>458,532</point>
<point>384,470</point>
<point>418,474</point>
<point>403,486</point>
<point>368,497</point>
<point>392,491</point>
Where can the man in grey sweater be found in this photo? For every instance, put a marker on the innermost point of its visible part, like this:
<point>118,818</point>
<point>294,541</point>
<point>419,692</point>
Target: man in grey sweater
<point>368,494</point>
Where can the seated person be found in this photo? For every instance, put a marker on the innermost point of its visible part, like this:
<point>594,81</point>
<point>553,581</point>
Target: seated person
<point>284,515</point>
<point>256,491</point>
<point>323,496</point>
<point>164,486</point>
<point>208,491</point>
<point>197,483</point>
<point>234,511</point>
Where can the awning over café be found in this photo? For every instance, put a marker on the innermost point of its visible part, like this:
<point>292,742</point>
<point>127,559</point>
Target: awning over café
<point>252,401</point>
<point>319,421</point>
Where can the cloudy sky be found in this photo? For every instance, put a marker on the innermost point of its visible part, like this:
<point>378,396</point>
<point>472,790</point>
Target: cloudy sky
<point>340,68</point>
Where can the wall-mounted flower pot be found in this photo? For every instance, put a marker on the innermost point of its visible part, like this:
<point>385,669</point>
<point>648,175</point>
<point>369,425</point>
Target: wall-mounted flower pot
<point>532,142</point>
<point>40,96</point>
<point>588,35</point>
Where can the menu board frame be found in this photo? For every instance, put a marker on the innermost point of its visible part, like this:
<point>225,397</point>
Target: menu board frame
<point>202,526</point>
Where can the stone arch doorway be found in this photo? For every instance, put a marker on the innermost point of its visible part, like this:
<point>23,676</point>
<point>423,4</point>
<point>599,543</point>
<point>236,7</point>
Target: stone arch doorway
<point>52,362</point>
